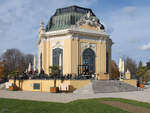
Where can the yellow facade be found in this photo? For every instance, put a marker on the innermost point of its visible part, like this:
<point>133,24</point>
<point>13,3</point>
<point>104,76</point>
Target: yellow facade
<point>72,54</point>
<point>67,56</point>
<point>73,42</point>
<point>128,75</point>
<point>85,26</point>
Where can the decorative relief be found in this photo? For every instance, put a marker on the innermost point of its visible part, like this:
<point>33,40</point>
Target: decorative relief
<point>90,20</point>
<point>57,44</point>
<point>102,40</point>
<point>88,45</point>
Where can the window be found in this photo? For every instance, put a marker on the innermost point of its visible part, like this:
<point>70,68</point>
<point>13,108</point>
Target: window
<point>72,20</point>
<point>58,57</point>
<point>107,62</point>
<point>41,60</point>
<point>36,86</point>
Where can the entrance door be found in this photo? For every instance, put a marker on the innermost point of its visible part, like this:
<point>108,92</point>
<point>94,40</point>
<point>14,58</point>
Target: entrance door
<point>89,60</point>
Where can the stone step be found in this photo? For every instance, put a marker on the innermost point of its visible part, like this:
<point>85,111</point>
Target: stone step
<point>85,90</point>
<point>2,86</point>
<point>105,86</point>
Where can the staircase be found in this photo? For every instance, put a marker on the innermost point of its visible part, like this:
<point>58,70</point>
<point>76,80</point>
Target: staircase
<point>105,86</point>
<point>109,86</point>
<point>2,86</point>
<point>85,90</point>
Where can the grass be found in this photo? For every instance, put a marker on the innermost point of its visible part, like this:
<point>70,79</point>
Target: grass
<point>79,106</point>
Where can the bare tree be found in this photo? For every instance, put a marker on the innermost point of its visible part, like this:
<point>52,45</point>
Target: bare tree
<point>2,72</point>
<point>12,58</point>
<point>140,64</point>
<point>131,65</point>
<point>114,70</point>
<point>28,59</point>
<point>148,65</point>
<point>16,60</point>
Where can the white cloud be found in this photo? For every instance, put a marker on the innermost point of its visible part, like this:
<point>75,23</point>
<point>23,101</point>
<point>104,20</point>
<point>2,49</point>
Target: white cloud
<point>20,20</point>
<point>130,9</point>
<point>146,47</point>
<point>109,29</point>
<point>129,32</point>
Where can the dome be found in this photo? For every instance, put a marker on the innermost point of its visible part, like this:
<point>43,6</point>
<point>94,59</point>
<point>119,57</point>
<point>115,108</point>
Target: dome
<point>66,17</point>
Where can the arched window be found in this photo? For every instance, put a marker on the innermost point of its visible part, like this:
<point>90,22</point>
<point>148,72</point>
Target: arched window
<point>107,63</point>
<point>58,57</point>
<point>41,60</point>
<point>89,60</point>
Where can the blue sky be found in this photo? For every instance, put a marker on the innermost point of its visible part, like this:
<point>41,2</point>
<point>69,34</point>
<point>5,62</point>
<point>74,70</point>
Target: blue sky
<point>126,21</point>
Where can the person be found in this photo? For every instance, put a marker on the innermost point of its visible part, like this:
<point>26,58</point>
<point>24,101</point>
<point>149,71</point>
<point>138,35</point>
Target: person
<point>93,76</point>
<point>138,85</point>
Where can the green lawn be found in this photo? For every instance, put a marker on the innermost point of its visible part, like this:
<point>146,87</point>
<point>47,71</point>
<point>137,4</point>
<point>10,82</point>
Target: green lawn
<point>79,106</point>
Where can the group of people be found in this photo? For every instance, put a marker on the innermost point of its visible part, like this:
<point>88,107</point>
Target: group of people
<point>26,76</point>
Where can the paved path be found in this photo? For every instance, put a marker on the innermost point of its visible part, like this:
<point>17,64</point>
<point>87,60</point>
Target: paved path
<point>143,96</point>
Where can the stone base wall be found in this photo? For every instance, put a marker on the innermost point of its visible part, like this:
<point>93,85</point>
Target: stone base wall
<point>102,76</point>
<point>132,82</point>
<point>28,85</point>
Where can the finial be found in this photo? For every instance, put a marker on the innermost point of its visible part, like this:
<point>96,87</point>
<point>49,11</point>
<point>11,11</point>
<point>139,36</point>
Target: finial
<point>41,24</point>
<point>42,29</point>
<point>128,71</point>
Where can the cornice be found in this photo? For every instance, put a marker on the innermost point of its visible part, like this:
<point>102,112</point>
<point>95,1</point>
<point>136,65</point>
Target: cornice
<point>75,30</point>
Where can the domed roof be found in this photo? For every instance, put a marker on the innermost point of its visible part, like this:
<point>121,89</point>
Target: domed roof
<point>66,17</point>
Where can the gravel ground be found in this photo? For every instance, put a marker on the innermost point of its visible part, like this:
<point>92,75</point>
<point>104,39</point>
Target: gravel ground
<point>143,96</point>
<point>127,107</point>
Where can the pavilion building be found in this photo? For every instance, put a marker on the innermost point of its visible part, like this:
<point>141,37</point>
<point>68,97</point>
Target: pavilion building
<point>76,41</point>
